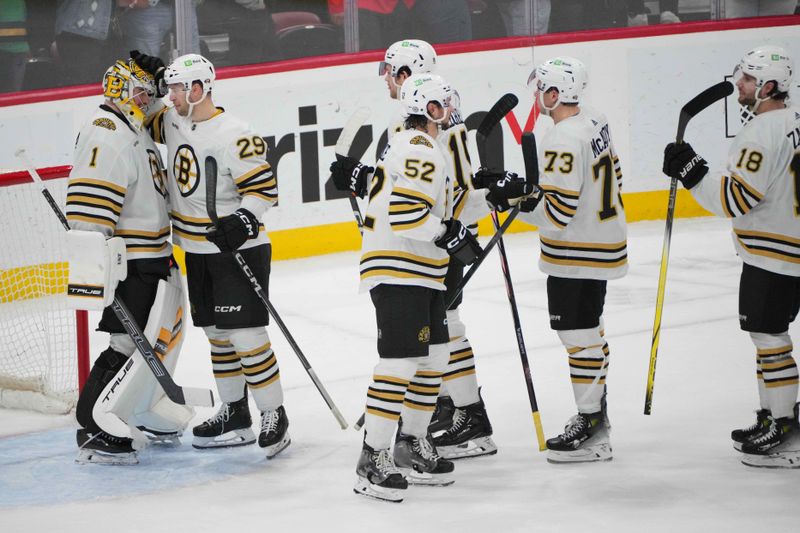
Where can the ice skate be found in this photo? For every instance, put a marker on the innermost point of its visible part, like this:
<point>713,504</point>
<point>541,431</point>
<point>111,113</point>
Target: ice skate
<point>417,459</point>
<point>585,439</point>
<point>105,449</point>
<point>378,476</point>
<point>777,447</point>
<point>470,434</point>
<point>274,435</point>
<point>442,415</point>
<point>762,423</point>
<point>229,427</point>
<point>166,439</point>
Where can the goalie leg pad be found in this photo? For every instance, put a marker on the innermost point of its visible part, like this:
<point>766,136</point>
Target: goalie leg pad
<point>107,365</point>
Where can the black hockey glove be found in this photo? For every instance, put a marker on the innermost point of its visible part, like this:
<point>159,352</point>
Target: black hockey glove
<point>349,174</point>
<point>682,163</point>
<point>152,65</point>
<point>530,202</point>
<point>232,231</point>
<point>510,187</point>
<point>459,242</point>
<point>484,178</point>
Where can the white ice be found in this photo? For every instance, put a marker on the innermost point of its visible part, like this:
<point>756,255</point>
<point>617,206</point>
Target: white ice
<point>672,471</point>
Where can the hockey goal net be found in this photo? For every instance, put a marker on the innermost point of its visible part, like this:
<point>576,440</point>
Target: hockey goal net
<point>44,353</point>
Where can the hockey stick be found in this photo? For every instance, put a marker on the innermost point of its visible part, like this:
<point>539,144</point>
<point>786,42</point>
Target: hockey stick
<point>176,393</point>
<point>343,144</point>
<point>688,111</point>
<point>531,170</point>
<point>501,108</point>
<point>211,207</point>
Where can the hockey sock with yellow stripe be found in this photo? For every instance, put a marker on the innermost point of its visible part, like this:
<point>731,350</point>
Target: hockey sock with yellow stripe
<point>226,365</point>
<point>385,397</point>
<point>778,372</point>
<point>259,366</point>
<point>423,389</point>
<point>588,355</point>
<point>459,376</point>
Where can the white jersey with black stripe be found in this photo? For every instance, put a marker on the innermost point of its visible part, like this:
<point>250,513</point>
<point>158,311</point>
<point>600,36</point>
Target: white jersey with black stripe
<point>117,186</point>
<point>406,205</point>
<point>760,191</point>
<point>244,178</point>
<point>581,218</point>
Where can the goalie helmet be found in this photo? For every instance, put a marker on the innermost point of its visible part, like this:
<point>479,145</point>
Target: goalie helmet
<point>566,74</point>
<point>421,89</point>
<point>188,69</point>
<point>767,63</point>
<point>416,55</point>
<point>123,82</point>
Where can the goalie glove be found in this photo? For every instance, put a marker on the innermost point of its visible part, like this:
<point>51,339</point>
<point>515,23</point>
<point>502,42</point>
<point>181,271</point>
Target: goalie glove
<point>232,231</point>
<point>510,187</point>
<point>459,243</point>
<point>349,174</point>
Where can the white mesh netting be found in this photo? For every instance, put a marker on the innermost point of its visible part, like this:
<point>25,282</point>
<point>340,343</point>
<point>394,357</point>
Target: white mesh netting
<point>38,352</point>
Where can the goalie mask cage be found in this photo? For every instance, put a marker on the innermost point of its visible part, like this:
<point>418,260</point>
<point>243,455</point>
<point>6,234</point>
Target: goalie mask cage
<point>44,345</point>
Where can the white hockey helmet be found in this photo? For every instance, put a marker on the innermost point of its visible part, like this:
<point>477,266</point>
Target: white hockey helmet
<point>421,89</point>
<point>566,74</point>
<point>767,63</point>
<point>122,84</point>
<point>190,68</point>
<point>416,55</point>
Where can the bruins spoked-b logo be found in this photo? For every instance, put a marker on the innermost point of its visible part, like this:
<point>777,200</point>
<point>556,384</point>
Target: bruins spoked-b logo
<point>158,173</point>
<point>186,170</point>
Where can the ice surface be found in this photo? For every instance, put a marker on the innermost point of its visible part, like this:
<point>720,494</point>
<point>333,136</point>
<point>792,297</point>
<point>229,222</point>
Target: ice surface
<point>673,471</point>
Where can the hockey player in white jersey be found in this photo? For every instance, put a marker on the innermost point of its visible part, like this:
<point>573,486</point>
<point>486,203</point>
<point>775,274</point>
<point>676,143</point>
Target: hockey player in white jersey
<point>408,234</point>
<point>759,191</point>
<point>117,189</point>
<point>460,424</point>
<point>582,233</point>
<point>222,300</point>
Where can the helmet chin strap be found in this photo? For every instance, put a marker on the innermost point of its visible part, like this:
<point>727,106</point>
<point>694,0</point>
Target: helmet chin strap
<point>547,111</point>
<point>191,107</point>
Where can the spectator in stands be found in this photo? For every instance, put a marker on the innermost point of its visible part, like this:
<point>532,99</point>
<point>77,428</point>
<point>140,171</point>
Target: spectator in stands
<point>576,15</point>
<point>84,42</point>
<point>380,22</point>
<point>514,16</point>
<point>441,21</point>
<point>756,8</point>
<point>638,13</point>
<point>145,25</point>
<point>249,25</point>
<point>14,49</point>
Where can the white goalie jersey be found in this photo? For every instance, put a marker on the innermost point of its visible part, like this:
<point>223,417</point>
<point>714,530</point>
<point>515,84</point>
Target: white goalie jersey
<point>117,186</point>
<point>760,191</point>
<point>407,202</point>
<point>245,179</point>
<point>581,218</point>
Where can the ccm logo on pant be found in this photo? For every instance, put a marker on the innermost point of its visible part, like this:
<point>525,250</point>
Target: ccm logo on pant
<point>227,308</point>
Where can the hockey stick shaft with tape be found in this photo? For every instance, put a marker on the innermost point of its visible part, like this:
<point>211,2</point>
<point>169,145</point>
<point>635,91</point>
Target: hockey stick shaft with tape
<point>342,149</point>
<point>176,393</point>
<point>688,111</point>
<point>211,207</point>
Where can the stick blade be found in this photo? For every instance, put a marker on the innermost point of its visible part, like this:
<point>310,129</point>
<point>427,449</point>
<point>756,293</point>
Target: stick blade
<point>198,397</point>
<point>700,102</point>
<point>350,129</point>
<point>501,108</point>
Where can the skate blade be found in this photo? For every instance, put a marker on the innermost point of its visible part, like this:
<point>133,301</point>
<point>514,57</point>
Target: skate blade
<point>737,446</point>
<point>277,448</point>
<point>471,448</point>
<point>86,457</point>
<point>426,479</point>
<point>591,454</point>
<point>238,437</point>
<point>376,492</point>
<point>790,459</point>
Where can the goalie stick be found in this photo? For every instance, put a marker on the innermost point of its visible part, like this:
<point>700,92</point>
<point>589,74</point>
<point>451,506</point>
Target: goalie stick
<point>211,208</point>
<point>688,111</point>
<point>343,144</point>
<point>500,109</point>
<point>176,393</point>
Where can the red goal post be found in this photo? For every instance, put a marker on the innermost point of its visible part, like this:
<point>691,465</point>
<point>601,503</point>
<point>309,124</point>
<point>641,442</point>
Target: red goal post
<point>44,352</point>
